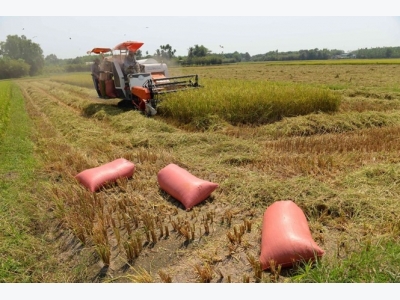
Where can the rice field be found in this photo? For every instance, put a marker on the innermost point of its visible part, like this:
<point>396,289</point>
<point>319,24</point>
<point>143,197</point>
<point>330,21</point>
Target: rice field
<point>323,135</point>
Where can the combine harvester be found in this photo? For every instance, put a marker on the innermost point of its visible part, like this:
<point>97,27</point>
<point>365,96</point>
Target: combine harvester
<point>138,90</point>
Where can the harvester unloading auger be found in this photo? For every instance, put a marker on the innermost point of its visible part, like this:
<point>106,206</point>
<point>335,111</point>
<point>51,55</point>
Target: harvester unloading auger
<point>141,89</point>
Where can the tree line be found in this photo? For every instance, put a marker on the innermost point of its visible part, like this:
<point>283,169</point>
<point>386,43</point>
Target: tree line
<point>20,57</point>
<point>321,54</point>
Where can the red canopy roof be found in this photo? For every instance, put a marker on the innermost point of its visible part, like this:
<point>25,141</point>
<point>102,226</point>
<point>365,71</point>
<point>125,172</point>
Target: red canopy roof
<point>129,45</point>
<point>99,50</point>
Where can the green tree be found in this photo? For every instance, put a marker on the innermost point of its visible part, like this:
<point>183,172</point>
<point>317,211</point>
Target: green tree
<point>166,52</point>
<point>13,68</point>
<point>200,51</point>
<point>236,56</point>
<point>16,47</point>
<point>190,52</point>
<point>52,59</point>
<point>246,56</point>
<point>76,61</point>
<point>389,52</point>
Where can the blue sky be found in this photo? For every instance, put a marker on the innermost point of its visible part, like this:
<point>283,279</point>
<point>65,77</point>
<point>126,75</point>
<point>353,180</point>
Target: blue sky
<point>182,24</point>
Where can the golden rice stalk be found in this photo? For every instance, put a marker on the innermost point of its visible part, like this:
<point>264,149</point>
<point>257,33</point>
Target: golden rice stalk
<point>141,276</point>
<point>256,265</point>
<point>164,276</point>
<point>205,274</point>
<point>103,250</point>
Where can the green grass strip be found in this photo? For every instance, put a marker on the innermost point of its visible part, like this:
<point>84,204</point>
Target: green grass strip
<point>20,248</point>
<point>5,95</point>
<point>373,264</point>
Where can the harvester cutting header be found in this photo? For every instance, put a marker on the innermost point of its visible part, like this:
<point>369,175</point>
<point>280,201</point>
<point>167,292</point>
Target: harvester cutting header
<point>137,82</point>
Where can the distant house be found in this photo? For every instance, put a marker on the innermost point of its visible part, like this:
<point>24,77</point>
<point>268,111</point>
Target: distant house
<point>344,55</point>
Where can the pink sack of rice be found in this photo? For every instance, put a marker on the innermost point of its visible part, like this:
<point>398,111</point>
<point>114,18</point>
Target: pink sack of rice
<point>183,186</point>
<point>95,178</point>
<point>286,238</point>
